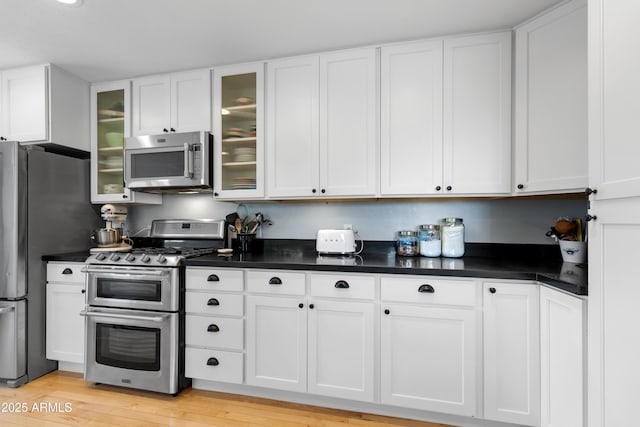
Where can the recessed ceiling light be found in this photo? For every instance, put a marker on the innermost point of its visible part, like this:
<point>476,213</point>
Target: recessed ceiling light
<point>71,2</point>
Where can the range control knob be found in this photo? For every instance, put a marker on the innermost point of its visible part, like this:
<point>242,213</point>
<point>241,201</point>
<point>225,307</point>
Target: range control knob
<point>129,257</point>
<point>145,258</point>
<point>100,257</point>
<point>115,257</point>
<point>161,259</point>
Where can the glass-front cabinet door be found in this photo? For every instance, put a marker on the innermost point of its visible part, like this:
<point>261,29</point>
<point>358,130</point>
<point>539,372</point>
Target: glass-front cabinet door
<point>110,124</point>
<point>238,131</point>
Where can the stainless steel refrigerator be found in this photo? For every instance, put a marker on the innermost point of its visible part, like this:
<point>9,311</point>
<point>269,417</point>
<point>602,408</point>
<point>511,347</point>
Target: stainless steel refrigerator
<point>44,209</point>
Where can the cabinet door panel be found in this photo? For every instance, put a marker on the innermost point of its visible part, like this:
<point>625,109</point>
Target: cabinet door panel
<point>477,114</point>
<point>65,326</point>
<point>151,105</point>
<point>411,119</point>
<point>428,358</point>
<point>551,101</point>
<point>341,364</point>
<point>292,126</point>
<point>25,109</point>
<point>348,142</point>
<point>191,101</point>
<point>511,353</point>
<point>614,98</point>
<point>276,346</point>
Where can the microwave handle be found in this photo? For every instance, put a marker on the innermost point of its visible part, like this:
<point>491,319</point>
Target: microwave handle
<point>188,161</point>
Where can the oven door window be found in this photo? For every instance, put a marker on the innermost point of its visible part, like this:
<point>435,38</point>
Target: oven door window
<point>128,347</point>
<point>135,289</point>
<point>161,164</point>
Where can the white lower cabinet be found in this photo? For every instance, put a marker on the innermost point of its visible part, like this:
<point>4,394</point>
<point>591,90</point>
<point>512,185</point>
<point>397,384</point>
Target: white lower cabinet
<point>563,359</point>
<point>214,335</point>
<point>428,350</point>
<point>65,326</point>
<point>511,353</point>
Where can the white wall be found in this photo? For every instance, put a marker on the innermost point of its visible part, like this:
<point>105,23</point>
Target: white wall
<point>489,221</point>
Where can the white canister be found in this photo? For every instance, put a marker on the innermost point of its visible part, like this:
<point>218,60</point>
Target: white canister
<point>452,237</point>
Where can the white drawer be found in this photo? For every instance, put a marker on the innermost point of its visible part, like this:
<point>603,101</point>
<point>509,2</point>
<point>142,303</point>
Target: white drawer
<point>214,365</point>
<point>214,303</point>
<point>276,282</point>
<point>214,332</point>
<point>343,286</point>
<point>428,290</point>
<point>65,272</point>
<point>211,279</point>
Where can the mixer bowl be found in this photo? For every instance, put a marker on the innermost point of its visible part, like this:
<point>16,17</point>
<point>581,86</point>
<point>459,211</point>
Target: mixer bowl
<point>106,237</point>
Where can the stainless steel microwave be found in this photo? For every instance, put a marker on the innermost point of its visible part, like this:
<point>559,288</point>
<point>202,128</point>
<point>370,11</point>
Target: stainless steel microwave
<point>170,161</point>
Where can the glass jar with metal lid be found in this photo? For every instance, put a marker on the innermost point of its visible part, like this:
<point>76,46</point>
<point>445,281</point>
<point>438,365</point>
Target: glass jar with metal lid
<point>407,243</point>
<point>452,237</point>
<point>429,240</point>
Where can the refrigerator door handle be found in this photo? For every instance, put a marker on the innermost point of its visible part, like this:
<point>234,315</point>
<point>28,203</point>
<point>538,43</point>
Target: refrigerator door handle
<point>5,310</point>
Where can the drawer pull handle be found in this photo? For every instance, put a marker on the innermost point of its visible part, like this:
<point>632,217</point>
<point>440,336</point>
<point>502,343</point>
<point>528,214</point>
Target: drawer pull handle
<point>213,328</point>
<point>275,281</point>
<point>67,271</point>
<point>342,284</point>
<point>212,361</point>
<point>213,301</point>
<point>213,278</point>
<point>426,289</point>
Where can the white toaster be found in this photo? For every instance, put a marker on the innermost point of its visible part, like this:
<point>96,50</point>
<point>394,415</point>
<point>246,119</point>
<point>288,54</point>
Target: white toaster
<point>335,242</point>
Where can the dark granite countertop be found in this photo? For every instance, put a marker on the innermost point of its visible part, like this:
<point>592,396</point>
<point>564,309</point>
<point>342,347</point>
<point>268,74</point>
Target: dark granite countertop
<point>492,261</point>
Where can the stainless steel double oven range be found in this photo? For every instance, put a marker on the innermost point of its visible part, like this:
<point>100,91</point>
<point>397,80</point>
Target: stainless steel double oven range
<point>135,316</point>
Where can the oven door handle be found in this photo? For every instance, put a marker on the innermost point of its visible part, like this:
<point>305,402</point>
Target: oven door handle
<point>5,310</point>
<point>125,272</point>
<point>156,319</point>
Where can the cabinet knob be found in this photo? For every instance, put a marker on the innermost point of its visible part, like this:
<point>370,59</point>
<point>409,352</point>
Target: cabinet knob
<point>313,191</point>
<point>213,278</point>
<point>426,289</point>
<point>164,130</point>
<point>84,291</point>
<point>311,306</point>
<point>275,281</point>
<point>213,301</point>
<point>438,188</point>
<point>449,188</point>
<point>212,361</point>
<point>589,191</point>
<point>213,328</point>
<point>342,284</point>
<point>386,311</point>
<point>323,191</point>
<point>301,305</point>
<point>520,186</point>
<point>124,196</point>
<point>591,217</point>
<point>492,290</point>
<point>67,271</point>
<point>216,194</point>
<point>172,129</point>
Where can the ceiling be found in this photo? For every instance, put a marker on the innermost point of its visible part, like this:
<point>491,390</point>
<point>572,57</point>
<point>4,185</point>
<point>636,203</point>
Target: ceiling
<point>113,39</point>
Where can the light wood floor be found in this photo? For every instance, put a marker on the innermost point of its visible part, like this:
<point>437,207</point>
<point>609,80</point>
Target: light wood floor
<point>100,405</point>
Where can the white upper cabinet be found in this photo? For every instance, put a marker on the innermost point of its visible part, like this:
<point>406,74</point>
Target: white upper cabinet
<point>348,125</point>
<point>238,126</point>
<point>293,150</point>
<point>110,124</point>
<point>178,102</point>
<point>321,121</point>
<point>477,114</point>
<point>551,101</point>
<point>445,116</point>
<point>43,103</point>
<point>411,119</point>
<point>614,98</point>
